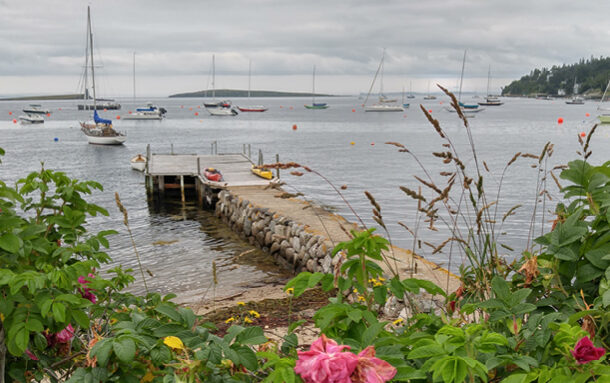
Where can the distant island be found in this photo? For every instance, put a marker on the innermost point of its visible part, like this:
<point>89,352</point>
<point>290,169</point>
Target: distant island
<point>45,98</point>
<point>244,93</point>
<point>591,77</point>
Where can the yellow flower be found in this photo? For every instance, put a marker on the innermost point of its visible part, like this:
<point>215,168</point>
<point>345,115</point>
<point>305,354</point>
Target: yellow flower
<point>381,279</point>
<point>254,314</point>
<point>230,320</point>
<point>1,317</point>
<point>377,284</point>
<point>173,342</point>
<point>355,291</point>
<point>241,303</point>
<point>113,321</point>
<point>247,320</point>
<point>398,321</point>
<point>290,291</point>
<point>361,298</point>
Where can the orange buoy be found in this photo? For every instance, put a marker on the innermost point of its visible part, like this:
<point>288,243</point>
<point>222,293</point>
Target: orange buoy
<point>353,110</point>
<point>198,106</point>
<point>429,110</point>
<point>583,134</point>
<point>352,143</point>
<point>560,120</point>
<point>294,127</point>
<point>281,107</point>
<point>190,108</point>
<point>372,144</point>
<point>48,114</point>
<point>587,114</point>
<point>196,113</point>
<point>105,110</point>
<point>441,102</point>
<point>59,109</point>
<point>10,113</point>
<point>129,112</point>
<point>14,121</point>
<point>118,117</point>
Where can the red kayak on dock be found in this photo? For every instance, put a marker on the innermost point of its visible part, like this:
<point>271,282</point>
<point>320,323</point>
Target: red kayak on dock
<point>212,174</point>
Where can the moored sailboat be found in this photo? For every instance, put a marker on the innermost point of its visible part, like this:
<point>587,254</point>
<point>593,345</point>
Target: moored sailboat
<point>99,131</point>
<point>251,108</point>
<point>314,104</point>
<point>382,106</point>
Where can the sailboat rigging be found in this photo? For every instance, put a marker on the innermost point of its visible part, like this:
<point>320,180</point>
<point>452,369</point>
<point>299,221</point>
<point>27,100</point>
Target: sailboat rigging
<point>490,100</point>
<point>216,104</point>
<point>251,108</point>
<point>604,115</point>
<point>465,108</point>
<point>314,104</point>
<point>99,131</point>
<point>151,111</point>
<point>380,107</point>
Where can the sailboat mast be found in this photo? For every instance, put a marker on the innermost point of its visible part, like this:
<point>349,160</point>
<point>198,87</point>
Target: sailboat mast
<point>86,93</point>
<point>91,55</point>
<point>313,88</point>
<point>488,79</point>
<point>381,80</point>
<point>249,76</point>
<point>462,76</point>
<point>374,78</point>
<point>134,78</point>
<point>213,78</point>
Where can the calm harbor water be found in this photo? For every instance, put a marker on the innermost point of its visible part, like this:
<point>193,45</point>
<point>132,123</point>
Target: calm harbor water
<point>178,245</point>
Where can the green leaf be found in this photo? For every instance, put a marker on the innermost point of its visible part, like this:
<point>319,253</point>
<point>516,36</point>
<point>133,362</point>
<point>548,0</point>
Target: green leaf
<point>247,358</point>
<point>169,311</point>
<point>516,378</point>
<point>251,335</point>
<point>34,325</point>
<point>427,351</point>
<point>167,329</point>
<point>500,288</point>
<point>10,243</point>
<point>124,349</point>
<point>370,334</point>
<point>587,273</point>
<point>101,350</point>
<point>59,312</point>
<point>80,317</point>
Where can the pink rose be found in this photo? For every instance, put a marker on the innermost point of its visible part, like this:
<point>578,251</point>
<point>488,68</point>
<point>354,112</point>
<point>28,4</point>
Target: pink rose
<point>86,292</point>
<point>326,363</point>
<point>65,335</point>
<point>372,370</point>
<point>585,352</point>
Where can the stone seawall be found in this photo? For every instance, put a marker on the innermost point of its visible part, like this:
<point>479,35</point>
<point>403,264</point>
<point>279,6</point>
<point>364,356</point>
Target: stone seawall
<point>289,242</point>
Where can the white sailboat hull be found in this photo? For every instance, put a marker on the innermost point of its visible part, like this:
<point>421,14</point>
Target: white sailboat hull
<point>115,140</point>
<point>384,108</point>
<point>222,111</point>
<point>143,116</point>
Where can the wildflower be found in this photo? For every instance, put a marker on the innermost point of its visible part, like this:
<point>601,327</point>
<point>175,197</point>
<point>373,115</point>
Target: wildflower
<point>173,342</point>
<point>377,284</point>
<point>370,369</point>
<point>65,335</point>
<point>290,291</point>
<point>231,319</point>
<point>247,320</point>
<point>361,298</point>
<point>254,314</point>
<point>31,355</point>
<point>84,291</point>
<point>381,279</point>
<point>355,291</point>
<point>372,280</point>
<point>398,321</point>
<point>585,352</point>
<point>325,362</point>
<point>1,317</point>
<point>241,303</point>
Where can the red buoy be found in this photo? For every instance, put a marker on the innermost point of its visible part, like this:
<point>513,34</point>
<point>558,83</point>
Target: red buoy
<point>587,114</point>
<point>294,127</point>
<point>118,117</point>
<point>353,110</point>
<point>14,121</point>
<point>583,134</point>
<point>560,120</point>
<point>196,113</point>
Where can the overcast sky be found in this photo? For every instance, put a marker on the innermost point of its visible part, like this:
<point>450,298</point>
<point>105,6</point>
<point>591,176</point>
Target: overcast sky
<point>43,43</point>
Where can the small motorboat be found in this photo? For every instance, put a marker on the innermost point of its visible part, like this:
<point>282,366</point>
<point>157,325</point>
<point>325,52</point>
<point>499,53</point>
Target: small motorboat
<point>138,163</point>
<point>262,172</point>
<point>31,119</point>
<point>252,108</point>
<point>36,109</point>
<point>212,174</point>
<point>221,111</point>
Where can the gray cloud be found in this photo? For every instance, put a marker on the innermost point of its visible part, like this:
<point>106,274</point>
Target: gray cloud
<point>344,39</point>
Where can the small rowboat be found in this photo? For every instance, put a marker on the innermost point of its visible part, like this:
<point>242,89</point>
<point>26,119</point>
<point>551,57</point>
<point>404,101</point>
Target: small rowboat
<point>138,163</point>
<point>212,174</point>
<point>262,172</point>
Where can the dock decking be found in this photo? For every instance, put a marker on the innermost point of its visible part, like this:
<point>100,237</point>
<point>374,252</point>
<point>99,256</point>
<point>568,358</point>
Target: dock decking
<point>235,168</point>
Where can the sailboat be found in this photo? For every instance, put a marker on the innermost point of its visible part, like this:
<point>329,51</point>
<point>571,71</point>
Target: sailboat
<point>151,112</point>
<point>490,100</point>
<point>314,104</point>
<point>410,95</point>
<point>404,104</point>
<point>214,103</point>
<point>576,99</point>
<point>99,131</point>
<point>429,96</point>
<point>382,106</point>
<point>604,115</point>
<point>465,108</point>
<point>251,108</point>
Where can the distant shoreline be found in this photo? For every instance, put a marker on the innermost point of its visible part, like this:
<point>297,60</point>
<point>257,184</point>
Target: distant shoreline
<point>244,93</point>
<point>45,98</point>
